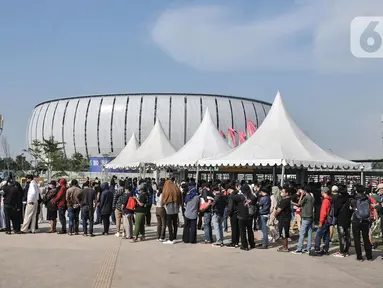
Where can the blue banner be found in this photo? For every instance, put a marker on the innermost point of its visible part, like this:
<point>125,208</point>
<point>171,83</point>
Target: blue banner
<point>97,163</point>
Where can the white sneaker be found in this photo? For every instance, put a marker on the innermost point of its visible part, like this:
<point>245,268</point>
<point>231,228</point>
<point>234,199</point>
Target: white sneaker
<point>161,240</point>
<point>169,242</point>
<point>117,234</point>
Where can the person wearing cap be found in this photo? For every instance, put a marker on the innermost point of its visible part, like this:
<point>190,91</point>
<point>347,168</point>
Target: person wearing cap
<point>334,196</point>
<point>31,207</point>
<point>323,231</point>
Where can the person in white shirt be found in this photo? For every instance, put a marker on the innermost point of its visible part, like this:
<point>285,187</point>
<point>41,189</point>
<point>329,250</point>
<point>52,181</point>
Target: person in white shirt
<point>31,208</point>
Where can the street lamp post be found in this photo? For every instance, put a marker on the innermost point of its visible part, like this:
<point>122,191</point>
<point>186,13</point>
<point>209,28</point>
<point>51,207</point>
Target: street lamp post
<point>1,123</point>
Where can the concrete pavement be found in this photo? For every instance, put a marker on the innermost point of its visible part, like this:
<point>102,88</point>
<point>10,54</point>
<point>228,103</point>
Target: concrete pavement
<point>44,260</point>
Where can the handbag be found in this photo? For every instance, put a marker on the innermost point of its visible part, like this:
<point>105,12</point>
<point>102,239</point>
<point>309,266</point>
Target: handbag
<point>203,205</point>
<point>131,205</point>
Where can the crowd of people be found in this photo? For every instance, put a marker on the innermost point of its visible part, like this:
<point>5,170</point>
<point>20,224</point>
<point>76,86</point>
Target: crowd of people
<point>276,211</point>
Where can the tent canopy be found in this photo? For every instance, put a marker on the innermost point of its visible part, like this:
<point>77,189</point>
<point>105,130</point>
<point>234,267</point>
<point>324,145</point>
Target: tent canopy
<point>279,141</point>
<point>205,142</point>
<point>156,146</point>
<point>125,155</point>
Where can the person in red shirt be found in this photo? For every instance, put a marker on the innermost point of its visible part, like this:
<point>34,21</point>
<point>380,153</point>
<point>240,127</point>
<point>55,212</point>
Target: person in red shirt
<point>323,231</point>
<point>60,201</point>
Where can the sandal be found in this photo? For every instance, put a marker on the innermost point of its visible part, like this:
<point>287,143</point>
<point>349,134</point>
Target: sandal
<point>281,249</point>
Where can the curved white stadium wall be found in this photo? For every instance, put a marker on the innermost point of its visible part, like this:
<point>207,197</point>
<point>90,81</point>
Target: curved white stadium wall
<point>102,124</point>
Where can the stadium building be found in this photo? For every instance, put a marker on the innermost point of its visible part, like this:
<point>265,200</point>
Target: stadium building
<point>102,124</point>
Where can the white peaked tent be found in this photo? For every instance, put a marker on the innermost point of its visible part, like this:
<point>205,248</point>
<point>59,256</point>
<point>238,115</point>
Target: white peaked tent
<point>156,146</point>
<point>279,141</point>
<point>125,155</point>
<point>205,142</point>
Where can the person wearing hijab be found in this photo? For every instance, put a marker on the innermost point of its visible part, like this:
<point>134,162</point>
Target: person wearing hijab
<point>171,200</point>
<point>51,206</point>
<point>273,222</point>
<point>41,205</point>
<point>60,201</point>
<point>106,206</point>
<point>191,202</point>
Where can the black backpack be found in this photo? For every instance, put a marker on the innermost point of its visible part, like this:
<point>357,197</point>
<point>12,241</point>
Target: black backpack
<point>362,209</point>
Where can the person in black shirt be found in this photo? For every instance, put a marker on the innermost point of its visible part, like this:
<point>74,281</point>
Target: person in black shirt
<point>343,212</point>
<point>283,214</point>
<point>88,201</point>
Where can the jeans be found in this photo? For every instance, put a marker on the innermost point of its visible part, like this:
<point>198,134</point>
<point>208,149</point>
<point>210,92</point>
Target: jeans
<point>190,231</point>
<point>207,227</point>
<point>234,229</point>
<point>140,225</point>
<point>127,224</point>
<point>225,217</point>
<point>218,229</point>
<point>98,214</point>
<point>11,214</point>
<point>73,215</point>
<point>172,226</point>
<point>344,239</point>
<point>87,213</point>
<point>357,228</point>
<point>105,218</point>
<point>263,223</point>
<point>323,232</point>
<point>62,218</point>
<point>245,226</point>
<point>161,222</point>
<point>307,227</point>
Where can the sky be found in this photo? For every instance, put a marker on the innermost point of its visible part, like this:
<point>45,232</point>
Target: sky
<point>54,49</point>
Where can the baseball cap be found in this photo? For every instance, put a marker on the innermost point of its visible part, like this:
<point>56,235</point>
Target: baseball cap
<point>334,188</point>
<point>325,190</point>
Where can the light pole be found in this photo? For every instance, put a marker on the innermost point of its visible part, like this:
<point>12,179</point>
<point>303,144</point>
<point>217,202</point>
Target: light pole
<point>1,123</point>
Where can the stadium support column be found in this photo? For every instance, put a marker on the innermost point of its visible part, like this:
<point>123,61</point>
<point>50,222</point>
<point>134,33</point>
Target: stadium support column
<point>362,175</point>
<point>275,175</point>
<point>283,175</point>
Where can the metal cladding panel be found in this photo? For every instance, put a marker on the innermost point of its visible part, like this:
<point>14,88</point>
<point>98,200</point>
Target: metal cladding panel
<point>79,126</point>
<point>58,122</point>
<point>239,116</point>
<point>147,116</point>
<point>91,126</point>
<point>224,114</point>
<point>48,129</point>
<point>133,116</point>
<point>163,110</point>
<point>34,123</point>
<point>209,102</point>
<point>267,109</point>
<point>30,126</point>
<point>178,121</point>
<point>193,115</point>
<point>105,125</point>
<point>68,128</point>
<point>260,113</point>
<point>119,125</point>
<point>250,112</point>
<point>40,121</point>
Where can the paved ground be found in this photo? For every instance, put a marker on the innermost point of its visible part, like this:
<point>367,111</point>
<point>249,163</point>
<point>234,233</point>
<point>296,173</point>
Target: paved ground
<point>44,260</point>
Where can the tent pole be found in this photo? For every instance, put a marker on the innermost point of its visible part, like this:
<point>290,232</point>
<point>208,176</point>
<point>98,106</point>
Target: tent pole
<point>196,177</point>
<point>275,176</point>
<point>283,176</point>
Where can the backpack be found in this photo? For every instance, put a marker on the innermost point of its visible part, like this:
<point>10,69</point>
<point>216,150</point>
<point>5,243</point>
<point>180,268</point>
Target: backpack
<point>362,210</point>
<point>250,207</point>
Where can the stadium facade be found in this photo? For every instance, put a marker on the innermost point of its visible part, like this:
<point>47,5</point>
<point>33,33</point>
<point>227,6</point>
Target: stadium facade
<point>102,124</point>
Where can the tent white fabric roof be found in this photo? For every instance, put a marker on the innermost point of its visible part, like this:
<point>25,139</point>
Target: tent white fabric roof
<point>156,146</point>
<point>125,155</point>
<point>279,141</point>
<point>205,142</point>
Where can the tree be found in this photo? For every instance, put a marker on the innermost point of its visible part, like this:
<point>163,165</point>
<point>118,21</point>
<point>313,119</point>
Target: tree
<point>78,163</point>
<point>377,165</point>
<point>22,163</point>
<point>6,151</point>
<point>49,154</point>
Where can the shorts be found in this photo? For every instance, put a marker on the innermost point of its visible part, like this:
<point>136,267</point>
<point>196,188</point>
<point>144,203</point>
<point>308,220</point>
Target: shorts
<point>284,228</point>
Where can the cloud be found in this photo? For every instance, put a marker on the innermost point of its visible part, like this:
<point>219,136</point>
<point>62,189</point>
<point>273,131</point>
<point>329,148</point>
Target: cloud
<point>311,35</point>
